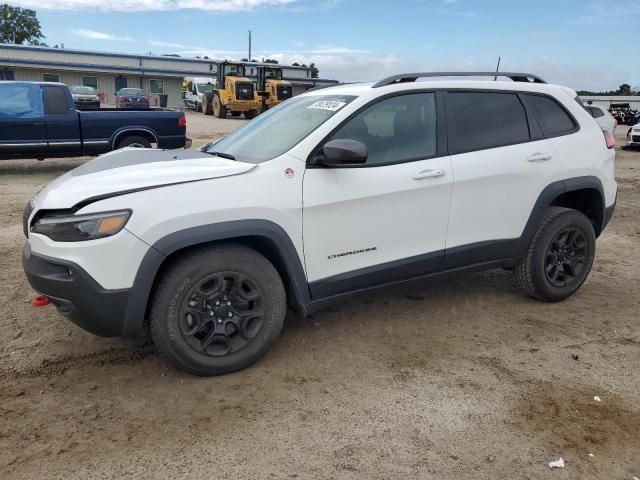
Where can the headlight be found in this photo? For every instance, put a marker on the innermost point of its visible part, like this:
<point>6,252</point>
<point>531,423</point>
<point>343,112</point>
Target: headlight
<point>78,228</point>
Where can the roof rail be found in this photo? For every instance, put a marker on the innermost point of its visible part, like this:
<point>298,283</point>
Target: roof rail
<point>412,77</point>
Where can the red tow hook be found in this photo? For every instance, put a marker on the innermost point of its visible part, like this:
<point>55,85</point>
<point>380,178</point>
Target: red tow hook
<point>40,301</point>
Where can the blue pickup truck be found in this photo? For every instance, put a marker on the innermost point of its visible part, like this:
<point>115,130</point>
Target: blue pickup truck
<point>39,120</point>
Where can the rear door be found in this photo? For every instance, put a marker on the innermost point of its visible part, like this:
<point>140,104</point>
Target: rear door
<point>500,164</point>
<point>22,125</point>
<point>63,123</point>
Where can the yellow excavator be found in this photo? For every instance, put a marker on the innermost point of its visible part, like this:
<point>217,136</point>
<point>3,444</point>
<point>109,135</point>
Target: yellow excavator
<point>233,92</point>
<point>271,87</point>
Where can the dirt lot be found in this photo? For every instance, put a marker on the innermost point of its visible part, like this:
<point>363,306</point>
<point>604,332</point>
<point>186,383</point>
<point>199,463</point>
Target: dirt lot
<point>465,378</point>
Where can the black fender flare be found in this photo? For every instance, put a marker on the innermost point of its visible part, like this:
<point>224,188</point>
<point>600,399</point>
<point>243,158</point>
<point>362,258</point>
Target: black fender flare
<point>546,199</point>
<point>153,260</point>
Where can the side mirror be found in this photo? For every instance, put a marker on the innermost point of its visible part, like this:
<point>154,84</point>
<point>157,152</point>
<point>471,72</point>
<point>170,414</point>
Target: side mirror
<point>342,152</point>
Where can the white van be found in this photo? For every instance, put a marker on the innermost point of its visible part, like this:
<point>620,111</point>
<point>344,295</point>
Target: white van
<point>196,88</point>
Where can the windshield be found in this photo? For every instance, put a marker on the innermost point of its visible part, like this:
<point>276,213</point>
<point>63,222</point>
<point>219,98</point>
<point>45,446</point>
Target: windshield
<point>83,90</point>
<point>234,69</point>
<point>204,87</point>
<point>280,129</point>
<point>273,73</point>
<point>130,91</point>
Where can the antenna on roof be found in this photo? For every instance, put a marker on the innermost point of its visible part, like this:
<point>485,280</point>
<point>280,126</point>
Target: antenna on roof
<point>497,69</point>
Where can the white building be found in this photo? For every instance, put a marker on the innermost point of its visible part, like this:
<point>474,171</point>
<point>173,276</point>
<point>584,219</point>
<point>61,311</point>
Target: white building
<point>108,72</point>
<point>606,101</point>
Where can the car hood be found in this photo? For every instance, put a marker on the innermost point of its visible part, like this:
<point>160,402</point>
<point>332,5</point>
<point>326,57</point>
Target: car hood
<point>132,169</point>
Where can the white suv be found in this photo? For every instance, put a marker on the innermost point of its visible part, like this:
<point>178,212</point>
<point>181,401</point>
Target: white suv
<point>334,192</point>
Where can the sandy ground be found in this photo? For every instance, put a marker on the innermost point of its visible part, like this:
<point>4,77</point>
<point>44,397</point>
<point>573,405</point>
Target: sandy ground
<point>464,378</point>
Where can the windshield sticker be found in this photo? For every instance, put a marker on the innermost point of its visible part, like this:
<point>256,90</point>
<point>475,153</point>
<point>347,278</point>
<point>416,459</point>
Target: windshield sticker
<point>331,105</point>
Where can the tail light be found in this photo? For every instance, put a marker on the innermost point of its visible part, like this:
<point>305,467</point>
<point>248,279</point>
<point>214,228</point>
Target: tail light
<point>121,99</point>
<point>610,139</point>
<point>182,121</point>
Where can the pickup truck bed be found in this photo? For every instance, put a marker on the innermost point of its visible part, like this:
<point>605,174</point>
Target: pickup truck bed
<point>39,120</point>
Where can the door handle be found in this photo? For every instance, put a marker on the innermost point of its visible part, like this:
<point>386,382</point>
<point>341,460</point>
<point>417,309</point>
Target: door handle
<point>429,174</point>
<point>539,157</point>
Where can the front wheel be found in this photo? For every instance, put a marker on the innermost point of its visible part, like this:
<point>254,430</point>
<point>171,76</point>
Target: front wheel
<point>217,310</point>
<point>219,110</point>
<point>559,257</point>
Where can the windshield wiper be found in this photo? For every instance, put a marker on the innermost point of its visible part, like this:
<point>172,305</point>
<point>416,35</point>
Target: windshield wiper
<point>228,156</point>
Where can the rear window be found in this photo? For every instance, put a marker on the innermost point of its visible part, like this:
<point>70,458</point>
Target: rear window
<point>55,100</point>
<point>487,120</point>
<point>552,117</point>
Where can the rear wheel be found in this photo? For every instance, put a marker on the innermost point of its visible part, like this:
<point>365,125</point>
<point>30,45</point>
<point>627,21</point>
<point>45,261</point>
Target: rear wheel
<point>217,310</point>
<point>219,110</point>
<point>250,114</point>
<point>559,257</point>
<point>134,141</point>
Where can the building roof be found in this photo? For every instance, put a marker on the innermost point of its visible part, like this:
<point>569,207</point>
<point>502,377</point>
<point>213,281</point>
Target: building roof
<point>72,59</point>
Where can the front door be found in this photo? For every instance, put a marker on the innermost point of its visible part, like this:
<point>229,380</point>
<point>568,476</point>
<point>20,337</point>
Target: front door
<point>121,82</point>
<point>387,219</point>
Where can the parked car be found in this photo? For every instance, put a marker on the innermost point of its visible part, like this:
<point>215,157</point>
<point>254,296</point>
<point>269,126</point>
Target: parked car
<point>633,137</point>
<point>39,120</point>
<point>84,98</point>
<point>332,193</point>
<point>602,117</point>
<point>132,98</point>
<point>196,88</point>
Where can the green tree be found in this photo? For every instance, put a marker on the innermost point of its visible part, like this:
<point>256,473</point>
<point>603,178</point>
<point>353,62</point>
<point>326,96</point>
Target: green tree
<point>271,60</point>
<point>314,70</point>
<point>19,25</point>
<point>625,89</point>
<point>295,64</point>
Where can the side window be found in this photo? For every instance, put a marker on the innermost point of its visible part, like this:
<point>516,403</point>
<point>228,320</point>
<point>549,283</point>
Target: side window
<point>396,129</point>
<point>552,118</point>
<point>20,100</point>
<point>597,113</point>
<point>487,120</point>
<point>55,100</point>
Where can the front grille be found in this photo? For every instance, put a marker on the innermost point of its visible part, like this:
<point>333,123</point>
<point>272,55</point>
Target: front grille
<point>244,91</point>
<point>26,213</point>
<point>284,92</point>
<point>635,138</point>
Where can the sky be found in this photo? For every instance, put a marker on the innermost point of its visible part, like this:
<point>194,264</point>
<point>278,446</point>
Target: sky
<point>587,44</point>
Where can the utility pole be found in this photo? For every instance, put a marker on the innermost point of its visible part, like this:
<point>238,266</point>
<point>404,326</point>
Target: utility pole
<point>249,58</point>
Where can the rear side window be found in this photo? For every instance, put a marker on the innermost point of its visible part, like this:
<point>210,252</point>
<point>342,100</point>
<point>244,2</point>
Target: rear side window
<point>55,100</point>
<point>552,118</point>
<point>20,100</point>
<point>487,120</point>
<point>595,112</point>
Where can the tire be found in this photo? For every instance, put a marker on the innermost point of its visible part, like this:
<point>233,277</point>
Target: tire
<point>559,257</point>
<point>198,107</point>
<point>182,319</point>
<point>206,107</point>
<point>250,114</point>
<point>219,110</point>
<point>134,141</point>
